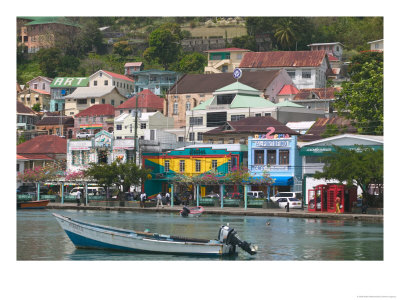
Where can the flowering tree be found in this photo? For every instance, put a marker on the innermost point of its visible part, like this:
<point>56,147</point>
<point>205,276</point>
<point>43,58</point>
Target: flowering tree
<point>51,171</point>
<point>75,176</point>
<point>238,175</point>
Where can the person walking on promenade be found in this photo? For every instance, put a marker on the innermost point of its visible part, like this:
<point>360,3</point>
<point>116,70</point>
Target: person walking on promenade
<point>78,198</point>
<point>142,199</point>
<point>159,200</point>
<point>337,205</point>
<point>168,198</point>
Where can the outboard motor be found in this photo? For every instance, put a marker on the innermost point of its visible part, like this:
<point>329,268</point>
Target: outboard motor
<point>185,211</point>
<point>229,236</point>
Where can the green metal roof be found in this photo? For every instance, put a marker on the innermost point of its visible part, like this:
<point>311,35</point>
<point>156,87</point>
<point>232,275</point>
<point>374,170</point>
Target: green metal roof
<point>203,105</point>
<point>288,103</point>
<point>49,20</point>
<point>69,82</point>
<point>241,101</point>
<point>237,86</point>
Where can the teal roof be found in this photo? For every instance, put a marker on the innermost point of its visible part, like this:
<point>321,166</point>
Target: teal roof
<point>241,101</point>
<point>237,86</point>
<point>203,105</point>
<point>50,20</point>
<point>288,103</point>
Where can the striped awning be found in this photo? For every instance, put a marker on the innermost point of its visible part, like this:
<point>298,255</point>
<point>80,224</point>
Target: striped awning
<point>91,126</point>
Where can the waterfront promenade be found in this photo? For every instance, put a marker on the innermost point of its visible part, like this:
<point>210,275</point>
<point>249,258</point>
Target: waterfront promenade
<point>238,211</point>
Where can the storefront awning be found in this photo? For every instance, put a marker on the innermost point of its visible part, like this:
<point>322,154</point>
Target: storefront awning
<point>283,180</point>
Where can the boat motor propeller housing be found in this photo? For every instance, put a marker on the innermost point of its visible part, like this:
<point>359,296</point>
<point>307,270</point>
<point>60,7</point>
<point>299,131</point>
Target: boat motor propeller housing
<point>229,236</point>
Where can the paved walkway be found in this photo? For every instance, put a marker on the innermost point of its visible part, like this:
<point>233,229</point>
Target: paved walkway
<point>239,211</point>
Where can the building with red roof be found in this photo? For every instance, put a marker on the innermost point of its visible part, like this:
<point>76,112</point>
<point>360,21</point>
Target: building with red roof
<point>287,92</point>
<point>308,69</point>
<point>147,102</point>
<point>41,150</point>
<point>320,99</point>
<point>102,78</point>
<point>223,60</point>
<point>131,67</point>
<point>94,119</point>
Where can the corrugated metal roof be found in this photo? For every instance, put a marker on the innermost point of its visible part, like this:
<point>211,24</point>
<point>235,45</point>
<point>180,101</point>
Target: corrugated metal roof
<point>245,101</point>
<point>288,103</point>
<point>91,92</point>
<point>282,59</point>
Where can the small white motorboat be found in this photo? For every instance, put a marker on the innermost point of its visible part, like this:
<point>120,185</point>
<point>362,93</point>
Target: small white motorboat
<point>88,235</point>
<point>192,211</point>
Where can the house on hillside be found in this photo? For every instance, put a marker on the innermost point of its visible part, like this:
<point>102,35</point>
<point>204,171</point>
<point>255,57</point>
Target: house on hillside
<point>58,125</point>
<point>223,60</point>
<point>376,45</point>
<point>29,97</point>
<point>85,97</point>
<point>95,119</point>
<point>40,83</point>
<point>307,69</point>
<point>106,79</point>
<point>133,67</point>
<point>26,117</point>
<point>63,86</point>
<point>335,49</point>
<point>194,89</point>
<point>321,99</point>
<point>146,102</point>
<point>124,125</point>
<point>157,81</point>
<point>36,33</point>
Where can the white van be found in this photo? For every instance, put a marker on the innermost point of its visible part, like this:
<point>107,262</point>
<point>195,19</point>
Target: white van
<point>285,195</point>
<point>91,190</point>
<point>256,194</point>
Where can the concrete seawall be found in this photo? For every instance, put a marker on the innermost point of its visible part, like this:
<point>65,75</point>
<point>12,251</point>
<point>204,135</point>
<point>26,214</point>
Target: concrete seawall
<point>237,211</point>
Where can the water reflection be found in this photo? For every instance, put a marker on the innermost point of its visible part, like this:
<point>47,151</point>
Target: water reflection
<point>39,236</point>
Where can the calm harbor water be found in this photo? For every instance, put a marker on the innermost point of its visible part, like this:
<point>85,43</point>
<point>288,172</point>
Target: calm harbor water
<point>39,237</point>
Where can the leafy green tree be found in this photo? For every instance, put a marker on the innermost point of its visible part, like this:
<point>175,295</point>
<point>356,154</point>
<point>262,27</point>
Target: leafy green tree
<point>122,48</point>
<point>192,63</point>
<point>164,45</point>
<point>364,167</point>
<point>49,61</point>
<point>245,42</point>
<point>123,175</point>
<point>362,99</point>
<point>36,107</point>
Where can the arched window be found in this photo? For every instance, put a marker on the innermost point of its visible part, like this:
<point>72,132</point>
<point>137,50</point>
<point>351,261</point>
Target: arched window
<point>187,105</point>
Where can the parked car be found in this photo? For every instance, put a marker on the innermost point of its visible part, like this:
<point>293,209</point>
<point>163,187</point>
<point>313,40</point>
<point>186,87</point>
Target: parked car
<point>285,194</point>
<point>293,202</point>
<point>92,190</point>
<point>256,194</point>
<point>84,135</point>
<point>212,195</point>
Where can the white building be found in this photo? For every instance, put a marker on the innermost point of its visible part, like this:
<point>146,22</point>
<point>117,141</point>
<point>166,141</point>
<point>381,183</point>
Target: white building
<point>376,45</point>
<point>336,48</point>
<point>124,125</point>
<point>101,78</point>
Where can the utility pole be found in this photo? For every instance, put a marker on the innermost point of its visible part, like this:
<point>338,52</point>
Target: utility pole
<point>136,123</point>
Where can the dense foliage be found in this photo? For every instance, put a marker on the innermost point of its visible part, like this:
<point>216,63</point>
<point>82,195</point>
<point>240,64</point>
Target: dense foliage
<point>84,52</point>
<point>361,98</point>
<point>364,167</point>
<point>122,175</point>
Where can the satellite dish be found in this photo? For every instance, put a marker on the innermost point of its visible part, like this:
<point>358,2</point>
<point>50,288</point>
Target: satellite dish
<point>237,73</point>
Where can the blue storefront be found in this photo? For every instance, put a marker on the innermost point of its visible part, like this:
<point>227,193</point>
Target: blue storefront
<point>278,156</point>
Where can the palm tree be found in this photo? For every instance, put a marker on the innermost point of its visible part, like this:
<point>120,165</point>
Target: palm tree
<point>285,33</point>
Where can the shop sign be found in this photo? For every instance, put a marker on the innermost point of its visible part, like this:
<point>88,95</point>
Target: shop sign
<point>197,152</point>
<point>70,82</point>
<point>272,143</point>
<point>270,135</point>
<point>102,141</point>
<point>322,150</point>
<point>262,168</point>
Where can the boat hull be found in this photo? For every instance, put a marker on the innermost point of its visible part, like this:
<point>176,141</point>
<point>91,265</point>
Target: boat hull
<point>33,204</point>
<point>193,212</point>
<point>86,235</point>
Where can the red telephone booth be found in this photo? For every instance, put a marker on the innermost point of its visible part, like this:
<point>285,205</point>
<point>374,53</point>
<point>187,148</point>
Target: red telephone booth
<point>347,196</point>
<point>317,198</point>
<point>323,198</point>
